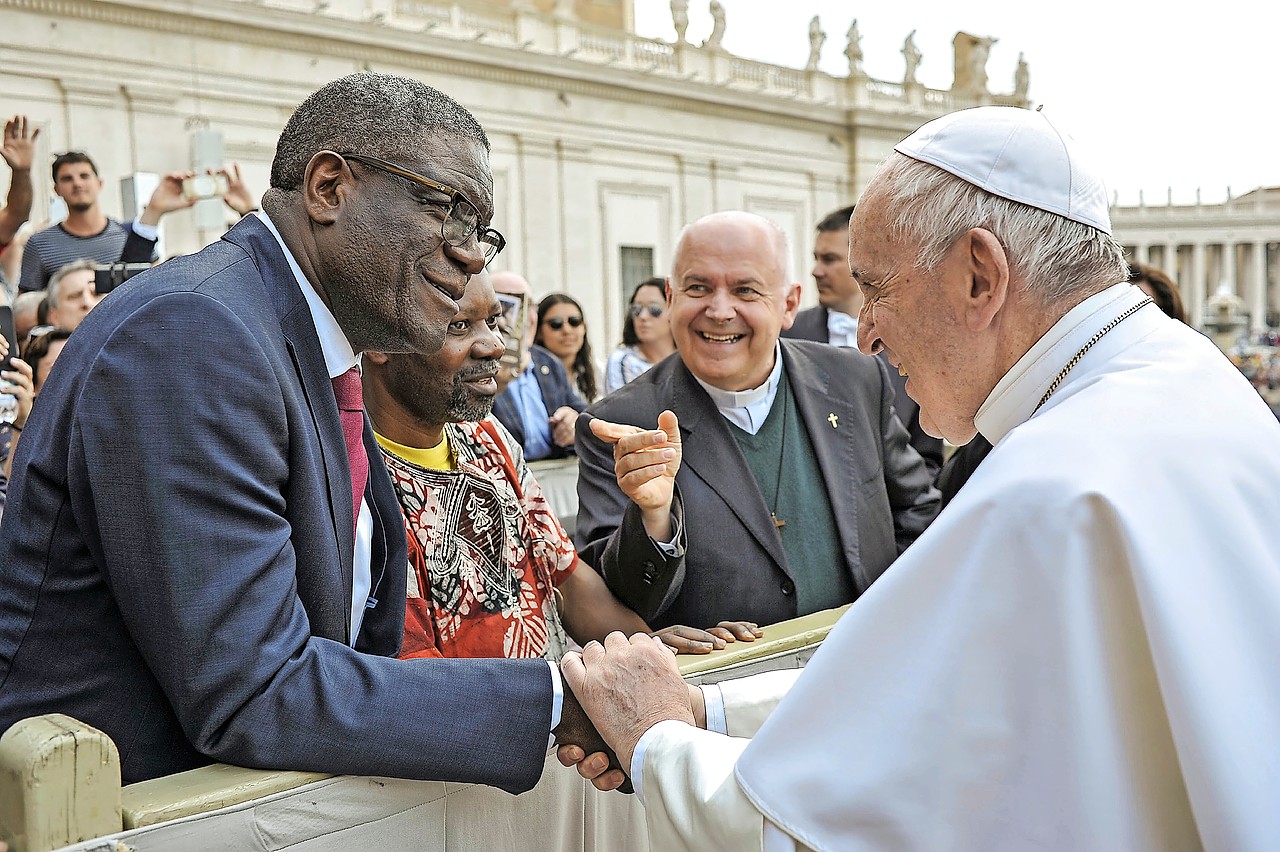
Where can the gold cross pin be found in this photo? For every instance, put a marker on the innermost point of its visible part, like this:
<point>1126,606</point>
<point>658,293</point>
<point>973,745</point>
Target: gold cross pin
<point>833,420</point>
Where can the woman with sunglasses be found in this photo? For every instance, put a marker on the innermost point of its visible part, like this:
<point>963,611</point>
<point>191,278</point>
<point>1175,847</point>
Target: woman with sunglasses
<point>563,332</point>
<point>646,335</point>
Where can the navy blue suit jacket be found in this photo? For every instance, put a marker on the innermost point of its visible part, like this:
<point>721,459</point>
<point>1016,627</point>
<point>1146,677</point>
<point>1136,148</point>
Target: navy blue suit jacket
<point>557,391</point>
<point>176,555</point>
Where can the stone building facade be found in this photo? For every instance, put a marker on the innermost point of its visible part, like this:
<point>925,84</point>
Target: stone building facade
<point>1212,251</point>
<point>604,143</point>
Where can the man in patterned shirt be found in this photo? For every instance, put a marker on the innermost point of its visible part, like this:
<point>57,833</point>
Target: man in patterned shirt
<point>492,572</point>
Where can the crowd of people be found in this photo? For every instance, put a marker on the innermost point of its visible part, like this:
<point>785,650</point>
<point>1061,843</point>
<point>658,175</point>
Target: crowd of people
<point>292,557</point>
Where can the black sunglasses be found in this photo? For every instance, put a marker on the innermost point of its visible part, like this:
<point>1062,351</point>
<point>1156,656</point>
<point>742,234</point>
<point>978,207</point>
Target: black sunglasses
<point>557,323</point>
<point>655,311</point>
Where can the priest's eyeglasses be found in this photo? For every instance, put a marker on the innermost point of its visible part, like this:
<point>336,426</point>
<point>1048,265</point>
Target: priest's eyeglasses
<point>461,219</point>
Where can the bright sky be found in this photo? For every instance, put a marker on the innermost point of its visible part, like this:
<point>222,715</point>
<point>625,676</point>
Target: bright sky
<point>1161,95</point>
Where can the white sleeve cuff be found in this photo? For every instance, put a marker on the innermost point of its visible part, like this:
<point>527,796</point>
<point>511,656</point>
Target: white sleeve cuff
<point>147,232</point>
<point>637,758</point>
<point>557,703</point>
<point>713,698</point>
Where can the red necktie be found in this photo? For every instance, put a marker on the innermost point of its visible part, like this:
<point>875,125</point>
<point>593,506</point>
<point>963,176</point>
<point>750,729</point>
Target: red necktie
<point>346,390</point>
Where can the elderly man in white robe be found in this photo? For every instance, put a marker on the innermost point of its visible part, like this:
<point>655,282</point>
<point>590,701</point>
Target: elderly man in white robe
<point>1081,651</point>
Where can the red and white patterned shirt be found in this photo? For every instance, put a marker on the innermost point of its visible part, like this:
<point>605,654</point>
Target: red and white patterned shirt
<point>486,551</point>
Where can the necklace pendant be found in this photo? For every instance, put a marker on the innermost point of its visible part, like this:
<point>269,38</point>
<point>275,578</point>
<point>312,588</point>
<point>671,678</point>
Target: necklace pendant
<point>777,522</point>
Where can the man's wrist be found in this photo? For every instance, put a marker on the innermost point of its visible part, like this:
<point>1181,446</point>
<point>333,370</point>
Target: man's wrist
<point>657,523</point>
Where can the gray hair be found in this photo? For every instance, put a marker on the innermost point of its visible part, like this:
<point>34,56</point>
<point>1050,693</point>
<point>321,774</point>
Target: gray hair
<point>54,288</point>
<point>1058,259</point>
<point>381,115</point>
<point>781,245</point>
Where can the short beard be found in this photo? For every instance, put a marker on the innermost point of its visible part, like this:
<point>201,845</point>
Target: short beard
<point>463,407</point>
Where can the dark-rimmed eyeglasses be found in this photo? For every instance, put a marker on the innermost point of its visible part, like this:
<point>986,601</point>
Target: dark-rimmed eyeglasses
<point>461,218</point>
<point>655,311</point>
<point>557,323</point>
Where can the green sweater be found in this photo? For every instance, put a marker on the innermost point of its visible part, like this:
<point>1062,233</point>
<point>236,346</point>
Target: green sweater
<point>786,470</point>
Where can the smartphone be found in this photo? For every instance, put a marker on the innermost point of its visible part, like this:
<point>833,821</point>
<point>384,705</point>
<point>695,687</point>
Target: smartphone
<point>515,311</point>
<point>10,332</point>
<point>204,186</point>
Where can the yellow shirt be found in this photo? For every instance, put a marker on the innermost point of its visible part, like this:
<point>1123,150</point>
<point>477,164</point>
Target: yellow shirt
<point>438,457</point>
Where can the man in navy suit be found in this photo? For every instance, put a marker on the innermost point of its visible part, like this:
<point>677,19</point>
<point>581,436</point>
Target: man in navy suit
<point>184,563</point>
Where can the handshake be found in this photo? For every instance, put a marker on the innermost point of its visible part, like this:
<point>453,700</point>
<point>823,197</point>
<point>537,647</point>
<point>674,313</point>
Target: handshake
<point>614,693</point>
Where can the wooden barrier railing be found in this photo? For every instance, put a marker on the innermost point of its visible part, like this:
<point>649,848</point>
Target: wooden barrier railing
<point>60,788</point>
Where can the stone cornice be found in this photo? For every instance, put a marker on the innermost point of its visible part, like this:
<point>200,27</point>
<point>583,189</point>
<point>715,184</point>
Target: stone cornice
<point>370,42</point>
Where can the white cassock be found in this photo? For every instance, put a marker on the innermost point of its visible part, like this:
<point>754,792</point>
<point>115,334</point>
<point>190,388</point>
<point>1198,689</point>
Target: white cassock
<point>1082,652</point>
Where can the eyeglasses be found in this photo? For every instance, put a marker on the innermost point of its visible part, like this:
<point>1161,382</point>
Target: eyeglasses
<point>655,311</point>
<point>462,219</point>
<point>557,323</point>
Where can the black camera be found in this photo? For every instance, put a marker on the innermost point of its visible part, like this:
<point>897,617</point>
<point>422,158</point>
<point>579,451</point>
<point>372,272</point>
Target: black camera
<point>109,276</point>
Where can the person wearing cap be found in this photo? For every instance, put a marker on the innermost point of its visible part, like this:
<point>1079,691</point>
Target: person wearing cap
<point>1079,652</point>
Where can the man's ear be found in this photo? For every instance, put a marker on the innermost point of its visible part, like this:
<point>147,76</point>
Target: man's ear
<point>988,274</point>
<point>326,184</point>
<point>792,304</point>
<point>379,358</point>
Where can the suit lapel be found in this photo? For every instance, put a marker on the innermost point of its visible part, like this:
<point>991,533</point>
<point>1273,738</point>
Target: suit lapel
<point>303,344</point>
<point>833,443</point>
<point>718,461</point>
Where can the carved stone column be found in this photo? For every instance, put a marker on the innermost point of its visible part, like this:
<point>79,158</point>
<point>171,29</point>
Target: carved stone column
<point>1256,293</point>
<point>1196,290</point>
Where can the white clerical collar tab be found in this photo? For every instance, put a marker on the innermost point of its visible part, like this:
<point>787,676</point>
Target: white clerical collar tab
<point>1017,154</point>
<point>1014,398</point>
<point>728,400</point>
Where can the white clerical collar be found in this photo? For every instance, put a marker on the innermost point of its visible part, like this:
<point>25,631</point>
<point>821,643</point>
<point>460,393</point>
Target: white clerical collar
<point>748,409</point>
<point>338,354</point>
<point>1015,397</point>
<point>842,329</point>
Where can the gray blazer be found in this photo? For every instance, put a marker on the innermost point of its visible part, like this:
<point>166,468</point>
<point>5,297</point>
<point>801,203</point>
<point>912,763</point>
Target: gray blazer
<point>734,566</point>
<point>811,324</point>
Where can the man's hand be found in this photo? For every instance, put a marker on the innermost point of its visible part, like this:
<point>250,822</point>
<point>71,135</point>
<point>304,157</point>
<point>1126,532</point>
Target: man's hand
<point>19,146</point>
<point>237,197</point>
<point>562,426</point>
<point>646,461</point>
<point>691,640</point>
<point>20,383</point>
<point>581,744</point>
<point>167,198</point>
<point>627,687</point>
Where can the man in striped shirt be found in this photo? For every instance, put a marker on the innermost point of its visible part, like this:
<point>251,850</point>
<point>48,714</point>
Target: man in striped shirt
<point>89,234</point>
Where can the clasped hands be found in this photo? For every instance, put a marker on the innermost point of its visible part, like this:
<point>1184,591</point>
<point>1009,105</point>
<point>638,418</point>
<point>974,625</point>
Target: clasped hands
<point>614,693</point>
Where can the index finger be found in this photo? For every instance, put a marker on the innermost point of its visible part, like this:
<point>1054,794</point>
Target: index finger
<point>611,432</point>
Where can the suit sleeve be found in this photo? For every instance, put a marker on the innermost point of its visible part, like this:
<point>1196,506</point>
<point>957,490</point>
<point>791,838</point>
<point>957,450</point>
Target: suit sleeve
<point>198,550</point>
<point>611,537</point>
<point>912,498</point>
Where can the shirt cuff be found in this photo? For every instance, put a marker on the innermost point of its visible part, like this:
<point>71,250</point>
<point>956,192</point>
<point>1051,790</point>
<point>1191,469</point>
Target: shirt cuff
<point>147,232</point>
<point>671,549</point>
<point>713,699</point>
<point>557,703</point>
